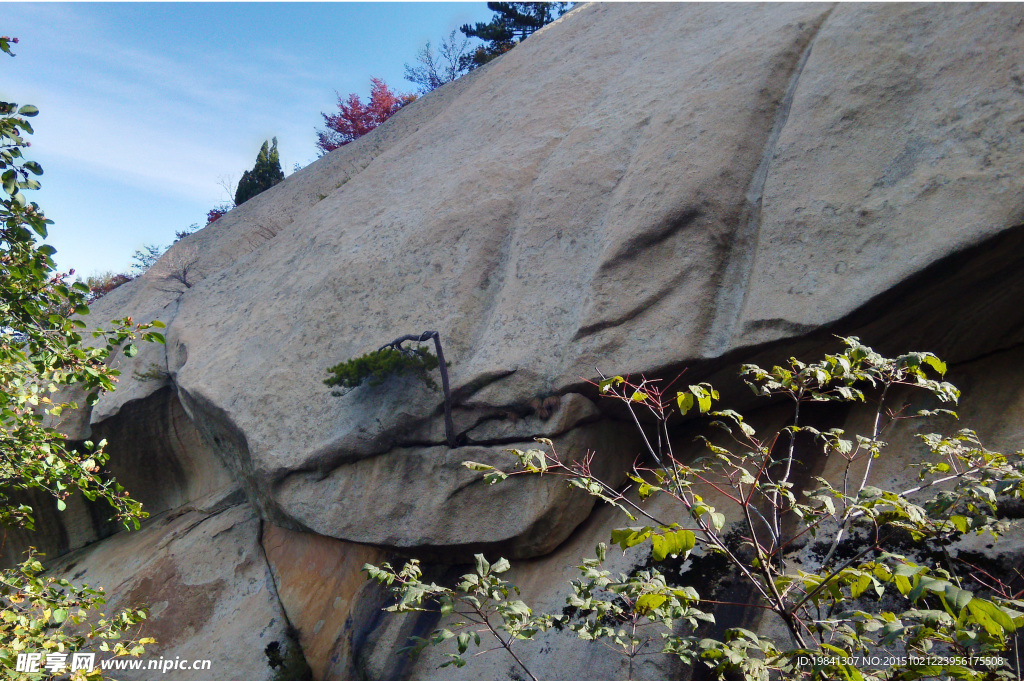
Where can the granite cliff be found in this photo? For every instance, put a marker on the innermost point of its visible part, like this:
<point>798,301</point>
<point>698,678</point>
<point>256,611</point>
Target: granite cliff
<point>636,188</point>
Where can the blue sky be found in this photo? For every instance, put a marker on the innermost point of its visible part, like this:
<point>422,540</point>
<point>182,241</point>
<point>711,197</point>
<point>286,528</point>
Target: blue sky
<point>145,108</point>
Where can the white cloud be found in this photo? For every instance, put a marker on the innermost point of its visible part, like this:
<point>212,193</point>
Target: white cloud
<point>154,121</point>
<point>144,108</point>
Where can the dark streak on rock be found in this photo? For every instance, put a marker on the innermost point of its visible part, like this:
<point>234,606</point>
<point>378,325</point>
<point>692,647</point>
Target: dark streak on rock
<point>738,266</point>
<point>636,311</point>
<point>631,248</point>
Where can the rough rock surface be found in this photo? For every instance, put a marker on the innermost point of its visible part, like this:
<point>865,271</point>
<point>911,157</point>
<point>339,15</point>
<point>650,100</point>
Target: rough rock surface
<point>158,454</point>
<point>326,597</point>
<point>635,188</point>
<point>208,587</point>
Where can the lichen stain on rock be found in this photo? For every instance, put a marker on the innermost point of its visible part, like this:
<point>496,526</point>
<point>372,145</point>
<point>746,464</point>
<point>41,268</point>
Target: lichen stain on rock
<point>189,607</point>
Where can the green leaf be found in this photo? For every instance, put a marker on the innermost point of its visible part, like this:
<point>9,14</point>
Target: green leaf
<point>28,110</point>
<point>39,227</point>
<point>495,477</point>
<point>475,466</point>
<point>959,522</point>
<point>685,402</point>
<point>908,570</point>
<point>630,536</point>
<point>662,547</point>
<point>703,397</point>
<point>130,350</point>
<point>957,598</point>
<point>482,566</point>
<point>649,602</point>
<point>61,505</point>
<point>935,363</point>
<point>990,616</point>
<point>860,586</point>
<point>678,543</point>
<point>645,491</point>
<point>609,383</point>
<point>718,520</point>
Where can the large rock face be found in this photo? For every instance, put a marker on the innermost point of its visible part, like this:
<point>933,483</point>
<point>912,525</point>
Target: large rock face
<point>636,188</point>
<point>205,578</point>
<point>639,187</point>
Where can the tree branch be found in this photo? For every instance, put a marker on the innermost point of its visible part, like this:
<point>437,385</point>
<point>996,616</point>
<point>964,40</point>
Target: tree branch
<point>449,425</point>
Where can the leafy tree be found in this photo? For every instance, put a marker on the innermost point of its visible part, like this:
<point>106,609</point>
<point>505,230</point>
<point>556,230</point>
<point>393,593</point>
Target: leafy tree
<point>432,70</point>
<point>144,258</point>
<point>177,270</point>
<point>191,229</point>
<point>147,256</point>
<point>102,284</point>
<point>512,23</point>
<point>228,186</point>
<point>42,352</point>
<point>354,119</point>
<point>264,175</point>
<point>887,599</point>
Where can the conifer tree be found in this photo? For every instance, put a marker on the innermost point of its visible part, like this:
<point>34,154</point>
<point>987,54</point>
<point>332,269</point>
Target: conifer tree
<point>512,23</point>
<point>264,175</point>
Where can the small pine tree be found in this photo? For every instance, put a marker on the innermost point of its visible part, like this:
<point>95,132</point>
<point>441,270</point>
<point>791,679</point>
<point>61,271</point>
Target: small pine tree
<point>264,175</point>
<point>512,23</point>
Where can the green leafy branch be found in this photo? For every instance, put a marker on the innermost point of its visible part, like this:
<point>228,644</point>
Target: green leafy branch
<point>43,353</point>
<point>873,599</point>
<point>49,615</point>
<point>395,359</point>
<point>480,609</point>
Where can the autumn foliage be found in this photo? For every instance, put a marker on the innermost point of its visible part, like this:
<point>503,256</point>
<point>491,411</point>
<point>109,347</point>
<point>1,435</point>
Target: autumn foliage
<point>354,118</point>
<point>102,284</point>
<point>216,214</point>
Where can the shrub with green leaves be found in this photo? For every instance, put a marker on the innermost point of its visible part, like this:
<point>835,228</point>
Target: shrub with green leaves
<point>887,598</point>
<point>480,598</point>
<point>42,354</point>
<point>48,615</point>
